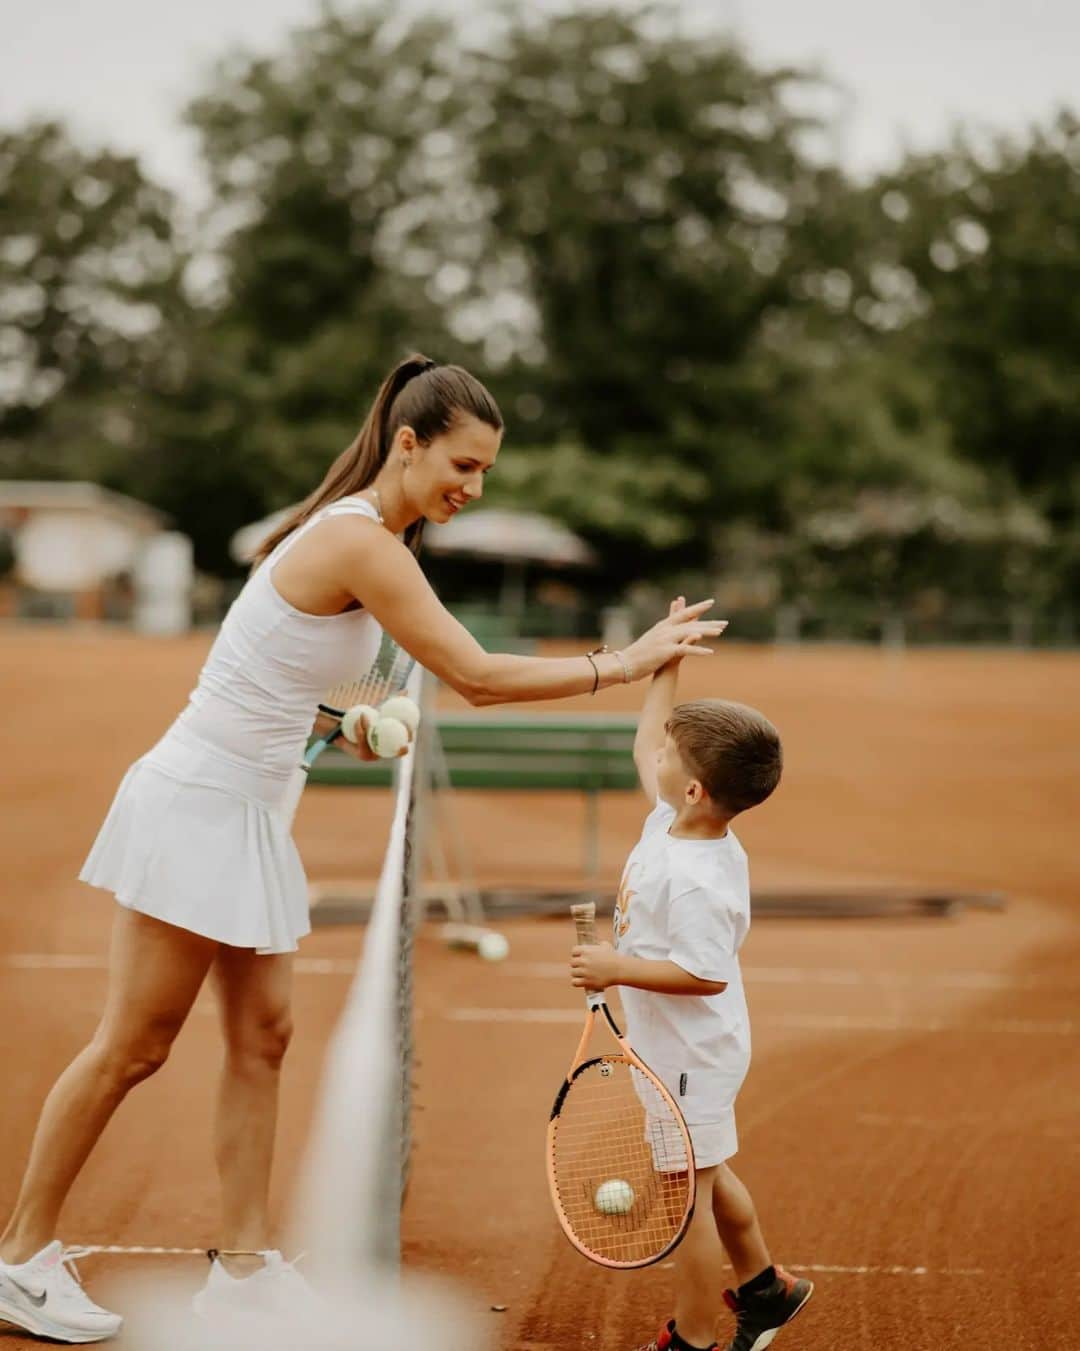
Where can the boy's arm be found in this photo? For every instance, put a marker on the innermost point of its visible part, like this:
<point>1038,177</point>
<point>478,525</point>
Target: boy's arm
<point>598,965</point>
<point>659,701</point>
<point>649,738</point>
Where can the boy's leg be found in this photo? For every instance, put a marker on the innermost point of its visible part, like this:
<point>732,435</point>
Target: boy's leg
<point>699,1268</point>
<point>767,1296</point>
<point>737,1223</point>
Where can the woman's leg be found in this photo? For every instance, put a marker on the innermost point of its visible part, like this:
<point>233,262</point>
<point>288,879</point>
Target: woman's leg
<point>255,994</point>
<point>155,971</point>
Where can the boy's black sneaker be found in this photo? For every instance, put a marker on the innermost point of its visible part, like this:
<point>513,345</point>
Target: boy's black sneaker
<point>759,1317</point>
<point>666,1340</point>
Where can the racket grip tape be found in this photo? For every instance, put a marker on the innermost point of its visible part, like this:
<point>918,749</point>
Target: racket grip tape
<point>585,921</point>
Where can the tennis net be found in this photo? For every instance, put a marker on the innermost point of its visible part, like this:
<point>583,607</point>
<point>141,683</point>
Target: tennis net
<point>348,1204</point>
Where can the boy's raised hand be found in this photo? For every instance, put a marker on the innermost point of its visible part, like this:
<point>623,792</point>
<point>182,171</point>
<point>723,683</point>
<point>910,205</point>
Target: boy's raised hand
<point>679,603</point>
<point>678,634</point>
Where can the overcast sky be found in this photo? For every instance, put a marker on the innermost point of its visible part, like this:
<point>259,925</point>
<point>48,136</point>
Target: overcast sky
<point>118,70</point>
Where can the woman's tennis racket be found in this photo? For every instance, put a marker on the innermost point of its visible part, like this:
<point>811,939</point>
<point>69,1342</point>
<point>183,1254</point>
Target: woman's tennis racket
<point>620,1162</point>
<point>387,675</point>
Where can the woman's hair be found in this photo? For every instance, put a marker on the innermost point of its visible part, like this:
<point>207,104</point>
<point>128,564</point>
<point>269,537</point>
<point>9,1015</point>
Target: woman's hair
<point>417,393</point>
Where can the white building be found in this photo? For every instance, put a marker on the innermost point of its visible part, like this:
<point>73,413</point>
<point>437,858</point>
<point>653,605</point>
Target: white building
<point>81,551</point>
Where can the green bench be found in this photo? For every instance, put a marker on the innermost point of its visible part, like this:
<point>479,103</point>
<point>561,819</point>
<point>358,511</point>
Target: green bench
<point>586,753</point>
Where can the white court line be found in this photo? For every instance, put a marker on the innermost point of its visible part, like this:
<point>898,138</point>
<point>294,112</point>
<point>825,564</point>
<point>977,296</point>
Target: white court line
<point>813,1022</point>
<point>56,961</point>
<point>821,1268</point>
<point>137,1251</point>
<point>960,1121</point>
<point>799,975</point>
<point>817,1268</point>
<point>86,961</point>
<point>828,1269</point>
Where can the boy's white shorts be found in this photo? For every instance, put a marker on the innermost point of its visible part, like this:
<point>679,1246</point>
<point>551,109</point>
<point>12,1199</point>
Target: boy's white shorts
<point>713,1141</point>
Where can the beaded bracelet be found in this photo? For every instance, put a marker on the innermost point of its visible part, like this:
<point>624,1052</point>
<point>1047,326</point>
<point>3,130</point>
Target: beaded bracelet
<point>603,648</point>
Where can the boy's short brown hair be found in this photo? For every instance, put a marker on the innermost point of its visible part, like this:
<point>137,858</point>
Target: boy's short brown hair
<point>732,749</point>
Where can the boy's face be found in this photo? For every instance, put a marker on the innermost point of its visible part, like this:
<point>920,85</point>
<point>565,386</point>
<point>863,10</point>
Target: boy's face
<point>673,779</point>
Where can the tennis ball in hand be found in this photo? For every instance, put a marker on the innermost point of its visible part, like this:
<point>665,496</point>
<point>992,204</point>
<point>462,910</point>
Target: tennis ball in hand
<point>404,709</point>
<point>614,1197</point>
<point>352,724</point>
<point>388,737</point>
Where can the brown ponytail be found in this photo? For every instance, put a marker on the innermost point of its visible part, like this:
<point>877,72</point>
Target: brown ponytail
<point>418,394</point>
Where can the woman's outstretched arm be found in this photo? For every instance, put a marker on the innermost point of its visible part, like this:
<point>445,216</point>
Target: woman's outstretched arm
<point>387,580</point>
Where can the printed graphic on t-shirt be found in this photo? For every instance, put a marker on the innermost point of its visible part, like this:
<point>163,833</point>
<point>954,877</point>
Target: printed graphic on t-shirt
<point>622,904</point>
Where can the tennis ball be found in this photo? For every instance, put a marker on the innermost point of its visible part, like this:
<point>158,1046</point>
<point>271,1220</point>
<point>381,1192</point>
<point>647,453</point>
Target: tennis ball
<point>493,947</point>
<point>353,722</point>
<point>388,737</point>
<point>404,709</point>
<point>614,1197</point>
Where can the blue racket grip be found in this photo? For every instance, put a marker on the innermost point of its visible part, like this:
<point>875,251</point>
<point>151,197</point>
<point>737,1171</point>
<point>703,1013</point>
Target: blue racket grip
<point>317,747</point>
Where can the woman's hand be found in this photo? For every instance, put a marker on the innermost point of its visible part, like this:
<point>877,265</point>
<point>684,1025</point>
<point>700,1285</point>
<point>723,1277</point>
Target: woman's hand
<point>359,750</point>
<point>673,638</point>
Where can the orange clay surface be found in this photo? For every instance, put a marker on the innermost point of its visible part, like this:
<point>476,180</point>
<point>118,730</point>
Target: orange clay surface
<point>909,1126</point>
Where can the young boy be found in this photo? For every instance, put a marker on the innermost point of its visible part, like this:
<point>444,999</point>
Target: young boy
<point>682,913</point>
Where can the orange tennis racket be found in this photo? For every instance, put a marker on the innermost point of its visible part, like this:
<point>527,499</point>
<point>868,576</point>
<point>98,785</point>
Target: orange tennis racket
<point>620,1162</point>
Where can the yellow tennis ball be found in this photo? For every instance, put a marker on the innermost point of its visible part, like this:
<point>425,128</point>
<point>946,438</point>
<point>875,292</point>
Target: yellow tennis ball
<point>355,719</point>
<point>388,737</point>
<point>404,709</point>
<point>614,1197</point>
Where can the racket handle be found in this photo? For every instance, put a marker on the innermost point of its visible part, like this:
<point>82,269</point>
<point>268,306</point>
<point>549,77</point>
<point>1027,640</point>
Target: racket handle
<point>585,921</point>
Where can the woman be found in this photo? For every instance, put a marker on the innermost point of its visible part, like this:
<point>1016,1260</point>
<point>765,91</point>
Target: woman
<point>196,847</point>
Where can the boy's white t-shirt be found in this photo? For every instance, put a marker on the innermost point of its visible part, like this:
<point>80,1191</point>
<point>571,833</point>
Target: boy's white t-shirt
<point>688,901</point>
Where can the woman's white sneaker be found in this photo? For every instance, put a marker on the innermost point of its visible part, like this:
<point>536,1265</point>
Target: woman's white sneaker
<point>44,1296</point>
<point>276,1288</point>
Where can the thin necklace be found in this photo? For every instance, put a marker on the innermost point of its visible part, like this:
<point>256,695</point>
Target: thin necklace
<point>378,505</point>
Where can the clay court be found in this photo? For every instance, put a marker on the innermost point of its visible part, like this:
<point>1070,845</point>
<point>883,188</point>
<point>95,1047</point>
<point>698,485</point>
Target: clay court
<point>909,1127</point>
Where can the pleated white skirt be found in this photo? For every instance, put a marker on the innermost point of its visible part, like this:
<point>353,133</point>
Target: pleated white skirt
<point>201,840</point>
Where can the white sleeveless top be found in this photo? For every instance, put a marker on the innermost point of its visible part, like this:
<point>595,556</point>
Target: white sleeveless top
<point>198,834</point>
<point>271,663</point>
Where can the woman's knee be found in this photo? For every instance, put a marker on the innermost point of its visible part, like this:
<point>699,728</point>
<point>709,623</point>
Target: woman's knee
<point>127,1059</point>
<point>260,1041</point>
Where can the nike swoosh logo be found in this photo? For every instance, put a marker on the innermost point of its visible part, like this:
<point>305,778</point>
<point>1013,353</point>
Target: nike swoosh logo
<point>36,1300</point>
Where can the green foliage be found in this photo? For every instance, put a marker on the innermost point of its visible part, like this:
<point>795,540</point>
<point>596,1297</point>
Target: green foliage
<point>991,238</point>
<point>89,289</point>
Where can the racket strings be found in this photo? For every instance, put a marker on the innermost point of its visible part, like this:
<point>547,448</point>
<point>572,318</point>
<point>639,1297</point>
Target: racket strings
<point>388,675</point>
<point>616,1127</point>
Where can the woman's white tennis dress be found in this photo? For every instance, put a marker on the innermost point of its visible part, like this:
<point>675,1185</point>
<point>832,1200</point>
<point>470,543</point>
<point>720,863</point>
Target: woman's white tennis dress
<point>199,833</point>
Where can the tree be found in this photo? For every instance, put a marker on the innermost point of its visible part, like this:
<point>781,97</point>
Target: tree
<point>992,238</point>
<point>90,274</point>
<point>342,215</point>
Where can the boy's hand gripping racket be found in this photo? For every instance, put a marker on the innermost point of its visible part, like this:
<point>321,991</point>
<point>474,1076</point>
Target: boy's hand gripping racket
<point>620,1162</point>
